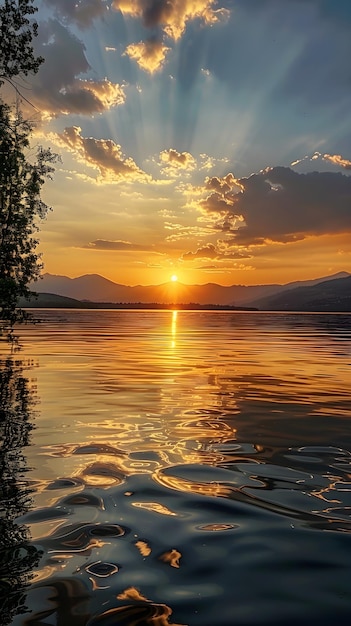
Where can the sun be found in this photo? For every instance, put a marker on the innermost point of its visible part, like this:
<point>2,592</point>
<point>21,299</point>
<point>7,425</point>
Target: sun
<point>174,278</point>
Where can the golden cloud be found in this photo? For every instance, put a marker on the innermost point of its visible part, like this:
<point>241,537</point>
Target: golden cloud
<point>149,55</point>
<point>103,154</point>
<point>223,250</point>
<point>337,159</point>
<point>82,96</point>
<point>172,16</point>
<point>180,231</point>
<point>173,161</point>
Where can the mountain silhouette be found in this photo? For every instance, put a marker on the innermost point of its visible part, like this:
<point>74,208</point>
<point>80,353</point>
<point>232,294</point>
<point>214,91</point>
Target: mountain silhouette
<point>330,295</point>
<point>96,288</point>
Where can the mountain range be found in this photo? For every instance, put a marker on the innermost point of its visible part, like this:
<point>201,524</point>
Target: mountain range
<point>325,293</point>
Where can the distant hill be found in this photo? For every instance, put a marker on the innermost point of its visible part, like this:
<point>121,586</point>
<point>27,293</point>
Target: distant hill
<point>330,295</point>
<point>49,300</point>
<point>96,288</point>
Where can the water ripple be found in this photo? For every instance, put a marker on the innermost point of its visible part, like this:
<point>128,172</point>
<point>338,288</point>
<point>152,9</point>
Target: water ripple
<point>193,472</point>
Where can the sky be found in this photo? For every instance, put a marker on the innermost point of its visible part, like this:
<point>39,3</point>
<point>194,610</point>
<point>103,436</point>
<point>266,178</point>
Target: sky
<point>208,140</point>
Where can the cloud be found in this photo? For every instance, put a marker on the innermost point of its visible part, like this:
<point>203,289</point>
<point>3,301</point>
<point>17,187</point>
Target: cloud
<point>281,205</point>
<point>180,231</point>
<point>149,55</point>
<point>82,13</point>
<point>171,16</point>
<point>172,161</point>
<point>337,159</point>
<point>208,162</point>
<point>209,251</point>
<point>318,159</point>
<point>225,269</point>
<point>221,251</point>
<point>118,245</point>
<point>103,154</point>
<point>223,185</point>
<point>58,89</point>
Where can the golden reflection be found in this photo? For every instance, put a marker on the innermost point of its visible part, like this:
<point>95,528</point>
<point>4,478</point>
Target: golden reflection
<point>143,548</point>
<point>217,527</point>
<point>47,572</point>
<point>180,484</point>
<point>138,615</point>
<point>87,548</point>
<point>40,530</point>
<point>325,492</point>
<point>172,557</point>
<point>154,506</point>
<point>132,593</point>
<point>174,328</point>
<point>95,586</point>
<point>102,474</point>
<point>102,569</point>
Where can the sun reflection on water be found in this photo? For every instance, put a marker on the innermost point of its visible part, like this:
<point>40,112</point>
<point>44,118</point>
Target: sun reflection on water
<point>163,435</point>
<point>174,328</point>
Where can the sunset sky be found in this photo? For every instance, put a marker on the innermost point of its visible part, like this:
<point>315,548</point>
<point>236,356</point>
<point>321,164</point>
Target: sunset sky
<point>208,140</point>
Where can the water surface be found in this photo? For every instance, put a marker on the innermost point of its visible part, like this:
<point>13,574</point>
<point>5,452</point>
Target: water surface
<point>189,468</point>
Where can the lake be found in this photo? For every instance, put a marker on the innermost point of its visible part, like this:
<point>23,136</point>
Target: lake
<point>185,468</point>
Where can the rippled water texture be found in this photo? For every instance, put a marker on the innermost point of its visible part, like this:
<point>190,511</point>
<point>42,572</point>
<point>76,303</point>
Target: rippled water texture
<point>189,468</point>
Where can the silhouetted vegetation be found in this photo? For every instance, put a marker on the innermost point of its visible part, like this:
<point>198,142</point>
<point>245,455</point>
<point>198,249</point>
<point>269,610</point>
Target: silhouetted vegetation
<point>18,556</point>
<point>21,175</point>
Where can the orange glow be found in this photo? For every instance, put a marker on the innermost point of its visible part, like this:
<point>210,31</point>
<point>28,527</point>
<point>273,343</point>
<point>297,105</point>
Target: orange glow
<point>132,593</point>
<point>172,557</point>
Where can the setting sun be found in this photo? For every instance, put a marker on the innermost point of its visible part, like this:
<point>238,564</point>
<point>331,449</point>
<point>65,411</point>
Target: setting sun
<point>174,278</point>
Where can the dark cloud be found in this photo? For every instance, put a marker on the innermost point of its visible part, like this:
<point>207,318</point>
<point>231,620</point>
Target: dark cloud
<point>58,88</point>
<point>281,205</point>
<point>222,185</point>
<point>124,246</point>
<point>82,12</point>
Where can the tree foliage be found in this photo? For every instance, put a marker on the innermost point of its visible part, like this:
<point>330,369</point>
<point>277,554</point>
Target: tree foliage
<point>21,208</point>
<point>17,31</point>
<point>22,174</point>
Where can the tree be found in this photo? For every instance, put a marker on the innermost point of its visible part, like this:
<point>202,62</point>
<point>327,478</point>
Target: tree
<point>18,555</point>
<point>21,176</point>
<point>16,36</point>
<point>20,209</point>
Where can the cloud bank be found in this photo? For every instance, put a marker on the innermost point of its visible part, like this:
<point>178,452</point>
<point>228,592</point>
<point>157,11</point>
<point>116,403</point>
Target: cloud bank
<point>280,205</point>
